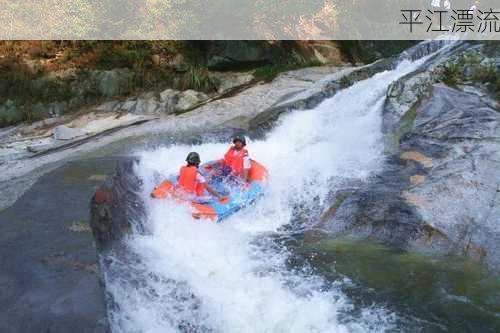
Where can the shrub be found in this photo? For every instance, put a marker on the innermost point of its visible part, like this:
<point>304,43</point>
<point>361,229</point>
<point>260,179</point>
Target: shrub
<point>15,78</point>
<point>198,78</point>
<point>451,75</point>
<point>123,54</point>
<point>489,74</point>
<point>485,73</point>
<point>69,54</point>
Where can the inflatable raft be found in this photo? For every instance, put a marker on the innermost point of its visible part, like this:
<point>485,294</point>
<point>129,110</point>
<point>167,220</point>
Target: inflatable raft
<point>239,194</point>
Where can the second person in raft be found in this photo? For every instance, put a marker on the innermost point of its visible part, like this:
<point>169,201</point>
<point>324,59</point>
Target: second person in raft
<point>191,182</point>
<point>236,161</point>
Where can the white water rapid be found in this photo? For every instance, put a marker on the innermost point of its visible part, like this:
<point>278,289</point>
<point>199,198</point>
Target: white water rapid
<point>196,276</point>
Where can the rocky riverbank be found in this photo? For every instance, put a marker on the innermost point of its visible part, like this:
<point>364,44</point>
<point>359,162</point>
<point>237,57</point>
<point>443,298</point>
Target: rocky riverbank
<point>439,190</point>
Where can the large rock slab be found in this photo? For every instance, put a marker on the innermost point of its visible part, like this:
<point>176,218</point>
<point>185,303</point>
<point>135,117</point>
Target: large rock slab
<point>440,188</point>
<point>50,278</point>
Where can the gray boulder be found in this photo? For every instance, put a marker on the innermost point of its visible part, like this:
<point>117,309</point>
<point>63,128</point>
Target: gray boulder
<point>168,95</point>
<point>108,106</point>
<point>128,106</point>
<point>229,80</point>
<point>168,100</point>
<point>188,99</point>
<point>147,106</point>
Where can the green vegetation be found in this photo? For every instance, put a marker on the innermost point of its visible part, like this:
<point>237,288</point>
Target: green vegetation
<point>452,74</point>
<point>198,78</point>
<point>24,88</point>
<point>42,77</point>
<point>38,78</point>
<point>470,67</point>
<point>485,74</point>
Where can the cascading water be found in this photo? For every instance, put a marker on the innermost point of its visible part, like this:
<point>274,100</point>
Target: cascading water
<point>187,275</point>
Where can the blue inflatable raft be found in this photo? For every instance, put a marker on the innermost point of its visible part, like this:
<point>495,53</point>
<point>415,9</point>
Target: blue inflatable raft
<point>238,194</point>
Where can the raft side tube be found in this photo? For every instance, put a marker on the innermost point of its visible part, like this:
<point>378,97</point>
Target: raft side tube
<point>201,211</point>
<point>163,190</point>
<point>257,172</point>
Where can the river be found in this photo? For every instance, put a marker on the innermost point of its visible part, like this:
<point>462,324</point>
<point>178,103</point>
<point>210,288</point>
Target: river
<point>263,270</point>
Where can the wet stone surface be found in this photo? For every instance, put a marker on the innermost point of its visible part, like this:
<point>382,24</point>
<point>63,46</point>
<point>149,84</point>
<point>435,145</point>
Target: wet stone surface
<point>50,278</point>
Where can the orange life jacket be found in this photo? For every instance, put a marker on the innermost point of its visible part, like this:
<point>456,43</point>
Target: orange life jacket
<point>235,161</point>
<point>187,180</point>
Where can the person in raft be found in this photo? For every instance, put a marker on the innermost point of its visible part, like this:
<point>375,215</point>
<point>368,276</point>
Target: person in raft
<point>236,161</point>
<point>192,182</point>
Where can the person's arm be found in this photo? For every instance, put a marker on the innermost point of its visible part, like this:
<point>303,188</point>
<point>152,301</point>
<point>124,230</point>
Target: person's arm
<point>209,189</point>
<point>246,167</point>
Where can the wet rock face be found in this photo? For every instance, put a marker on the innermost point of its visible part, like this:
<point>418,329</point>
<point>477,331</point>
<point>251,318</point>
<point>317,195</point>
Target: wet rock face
<point>50,276</point>
<point>116,207</point>
<point>459,134</point>
<point>440,190</point>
